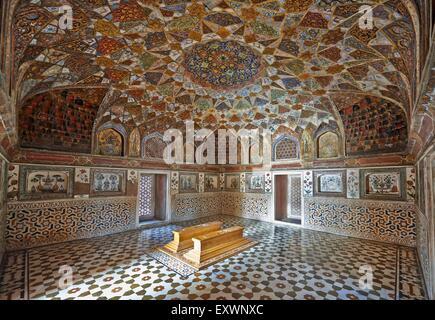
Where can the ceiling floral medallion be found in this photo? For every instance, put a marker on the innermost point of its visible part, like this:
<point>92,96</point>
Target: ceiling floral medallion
<point>223,65</point>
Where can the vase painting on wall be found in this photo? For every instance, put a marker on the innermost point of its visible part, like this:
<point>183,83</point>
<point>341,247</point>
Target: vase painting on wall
<point>108,182</point>
<point>383,183</point>
<point>46,183</point>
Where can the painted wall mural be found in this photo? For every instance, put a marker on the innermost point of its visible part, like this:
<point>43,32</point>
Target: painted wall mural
<point>383,183</point>
<point>45,183</point>
<point>107,182</point>
<point>174,182</point>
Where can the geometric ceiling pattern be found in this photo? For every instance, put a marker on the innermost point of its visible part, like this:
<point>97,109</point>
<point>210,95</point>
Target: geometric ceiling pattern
<point>224,63</point>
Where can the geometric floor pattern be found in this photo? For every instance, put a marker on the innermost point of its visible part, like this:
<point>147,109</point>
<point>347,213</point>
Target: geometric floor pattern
<point>287,263</point>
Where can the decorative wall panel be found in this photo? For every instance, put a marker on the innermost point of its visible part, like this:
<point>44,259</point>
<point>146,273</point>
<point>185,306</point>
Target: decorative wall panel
<point>232,182</point>
<point>132,176</point>
<point>244,184</point>
<point>153,147</point>
<point>13,172</point>
<point>82,175</point>
<point>195,205</point>
<point>374,125</point>
<point>268,182</point>
<point>387,221</point>
<point>247,205</point>
<point>188,182</point>
<point>106,182</point>
<point>383,183</point>
<point>31,224</point>
<point>255,182</point>
<point>201,182</point>
<point>174,182</point>
<point>308,183</point>
<point>410,184</point>
<point>222,181</point>
<point>45,182</point>
<point>134,143</point>
<point>60,120</point>
<point>330,183</point>
<point>211,182</point>
<point>353,183</point>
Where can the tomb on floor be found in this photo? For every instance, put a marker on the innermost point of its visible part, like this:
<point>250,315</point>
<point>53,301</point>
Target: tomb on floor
<point>213,244</point>
<point>183,238</point>
<point>205,244</point>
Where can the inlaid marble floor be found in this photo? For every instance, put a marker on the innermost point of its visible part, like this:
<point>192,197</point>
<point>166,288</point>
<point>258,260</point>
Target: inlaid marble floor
<point>288,263</point>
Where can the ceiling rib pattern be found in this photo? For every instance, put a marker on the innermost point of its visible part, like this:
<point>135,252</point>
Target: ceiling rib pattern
<point>240,63</point>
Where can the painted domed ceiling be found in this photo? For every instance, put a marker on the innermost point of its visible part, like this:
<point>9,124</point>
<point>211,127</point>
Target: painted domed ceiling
<point>243,63</point>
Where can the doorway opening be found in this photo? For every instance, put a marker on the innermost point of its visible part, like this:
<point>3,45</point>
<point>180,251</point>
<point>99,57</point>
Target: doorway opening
<point>288,198</point>
<point>152,198</point>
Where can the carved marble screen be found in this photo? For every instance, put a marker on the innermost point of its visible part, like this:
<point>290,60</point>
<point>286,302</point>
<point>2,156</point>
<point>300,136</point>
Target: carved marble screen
<point>146,199</point>
<point>294,209</point>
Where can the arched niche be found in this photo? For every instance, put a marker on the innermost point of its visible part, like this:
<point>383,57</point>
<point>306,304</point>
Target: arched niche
<point>110,140</point>
<point>328,145</point>
<point>285,148</point>
<point>153,146</point>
